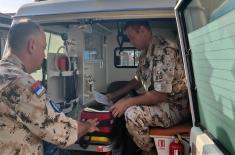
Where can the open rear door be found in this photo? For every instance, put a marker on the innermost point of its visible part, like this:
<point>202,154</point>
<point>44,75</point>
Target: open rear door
<point>206,30</point>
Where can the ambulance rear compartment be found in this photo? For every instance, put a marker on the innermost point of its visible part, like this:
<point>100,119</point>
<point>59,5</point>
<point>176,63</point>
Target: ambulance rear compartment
<point>98,57</point>
<point>88,56</point>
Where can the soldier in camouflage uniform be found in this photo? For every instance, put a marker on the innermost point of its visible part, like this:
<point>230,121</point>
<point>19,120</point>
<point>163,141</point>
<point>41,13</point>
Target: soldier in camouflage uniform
<point>27,117</point>
<point>164,102</point>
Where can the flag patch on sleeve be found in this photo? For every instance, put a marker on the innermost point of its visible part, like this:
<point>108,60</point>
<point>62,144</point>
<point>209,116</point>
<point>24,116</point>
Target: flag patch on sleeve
<point>38,89</point>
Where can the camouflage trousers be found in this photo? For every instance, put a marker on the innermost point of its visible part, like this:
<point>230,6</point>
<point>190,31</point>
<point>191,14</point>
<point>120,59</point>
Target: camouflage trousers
<point>140,118</point>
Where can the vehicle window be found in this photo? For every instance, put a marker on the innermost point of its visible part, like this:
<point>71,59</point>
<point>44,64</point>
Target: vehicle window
<point>126,57</point>
<point>211,34</point>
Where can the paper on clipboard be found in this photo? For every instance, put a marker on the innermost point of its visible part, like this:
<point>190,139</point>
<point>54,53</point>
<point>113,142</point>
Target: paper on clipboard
<point>103,99</point>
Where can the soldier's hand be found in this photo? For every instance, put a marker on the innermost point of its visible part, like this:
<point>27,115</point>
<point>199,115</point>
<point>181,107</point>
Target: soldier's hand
<point>88,126</point>
<point>120,107</point>
<point>93,125</point>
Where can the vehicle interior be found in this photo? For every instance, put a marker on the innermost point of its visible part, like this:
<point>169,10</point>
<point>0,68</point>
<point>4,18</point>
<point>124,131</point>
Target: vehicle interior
<point>99,57</point>
<point>102,51</point>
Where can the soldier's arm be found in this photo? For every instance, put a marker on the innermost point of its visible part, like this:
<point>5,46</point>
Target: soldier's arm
<point>38,115</point>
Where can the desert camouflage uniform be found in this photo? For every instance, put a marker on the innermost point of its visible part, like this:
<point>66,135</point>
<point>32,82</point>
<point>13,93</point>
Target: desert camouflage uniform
<point>160,69</point>
<point>25,118</point>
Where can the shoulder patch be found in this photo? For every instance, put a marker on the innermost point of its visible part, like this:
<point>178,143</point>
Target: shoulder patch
<point>38,89</point>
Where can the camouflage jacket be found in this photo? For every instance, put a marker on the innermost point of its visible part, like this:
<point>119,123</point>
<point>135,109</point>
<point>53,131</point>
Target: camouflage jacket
<point>161,69</point>
<point>26,118</point>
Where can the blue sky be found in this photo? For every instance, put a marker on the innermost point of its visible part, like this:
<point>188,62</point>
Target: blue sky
<point>11,6</point>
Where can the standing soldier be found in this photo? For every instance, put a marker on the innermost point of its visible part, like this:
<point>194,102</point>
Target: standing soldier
<point>27,116</point>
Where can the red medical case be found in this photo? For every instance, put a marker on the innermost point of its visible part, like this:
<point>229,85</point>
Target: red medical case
<point>103,136</point>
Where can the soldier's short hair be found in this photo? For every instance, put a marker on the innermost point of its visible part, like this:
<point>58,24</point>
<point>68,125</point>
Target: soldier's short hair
<point>19,34</point>
<point>135,24</point>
